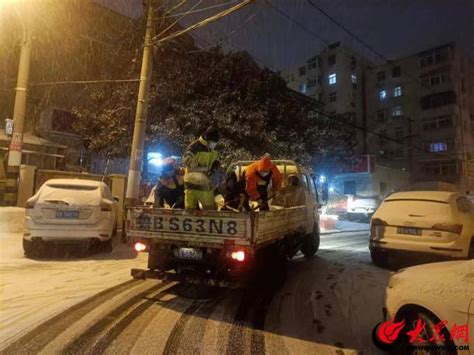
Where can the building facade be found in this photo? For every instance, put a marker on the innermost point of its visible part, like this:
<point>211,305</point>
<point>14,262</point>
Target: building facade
<point>421,107</point>
<point>335,78</point>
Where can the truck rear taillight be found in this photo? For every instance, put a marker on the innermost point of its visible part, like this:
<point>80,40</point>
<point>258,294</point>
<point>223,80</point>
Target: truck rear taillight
<point>445,227</point>
<point>238,255</point>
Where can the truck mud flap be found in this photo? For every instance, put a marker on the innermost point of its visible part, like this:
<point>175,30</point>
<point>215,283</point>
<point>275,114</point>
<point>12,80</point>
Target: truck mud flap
<point>189,279</point>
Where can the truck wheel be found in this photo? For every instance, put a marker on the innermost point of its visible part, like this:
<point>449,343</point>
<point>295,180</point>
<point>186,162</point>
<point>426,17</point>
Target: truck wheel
<point>311,243</point>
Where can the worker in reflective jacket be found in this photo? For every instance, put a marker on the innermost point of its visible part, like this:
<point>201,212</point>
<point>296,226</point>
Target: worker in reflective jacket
<point>199,158</point>
<point>257,179</point>
<point>170,186</point>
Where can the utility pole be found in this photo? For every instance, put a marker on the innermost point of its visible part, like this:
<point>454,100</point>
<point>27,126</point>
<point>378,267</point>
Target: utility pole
<point>16,143</point>
<point>138,143</point>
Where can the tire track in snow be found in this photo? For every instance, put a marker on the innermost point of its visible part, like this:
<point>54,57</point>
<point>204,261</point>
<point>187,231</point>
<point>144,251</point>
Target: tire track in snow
<point>39,337</point>
<point>249,321</point>
<point>114,332</point>
<point>87,339</point>
<point>185,339</point>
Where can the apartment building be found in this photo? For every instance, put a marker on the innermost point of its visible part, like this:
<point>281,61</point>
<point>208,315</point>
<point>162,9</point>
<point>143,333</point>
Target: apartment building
<point>335,78</point>
<point>424,104</point>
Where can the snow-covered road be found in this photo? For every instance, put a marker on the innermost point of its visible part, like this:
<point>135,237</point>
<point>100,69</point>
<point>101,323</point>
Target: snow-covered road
<point>327,305</point>
<point>32,291</point>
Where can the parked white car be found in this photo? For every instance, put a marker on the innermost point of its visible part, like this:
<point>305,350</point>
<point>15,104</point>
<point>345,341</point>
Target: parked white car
<point>434,293</point>
<point>82,212</point>
<point>422,224</point>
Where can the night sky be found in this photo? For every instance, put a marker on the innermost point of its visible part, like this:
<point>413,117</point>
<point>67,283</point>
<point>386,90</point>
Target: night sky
<point>393,28</point>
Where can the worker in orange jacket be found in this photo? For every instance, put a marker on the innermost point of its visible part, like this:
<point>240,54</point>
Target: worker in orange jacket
<point>257,179</point>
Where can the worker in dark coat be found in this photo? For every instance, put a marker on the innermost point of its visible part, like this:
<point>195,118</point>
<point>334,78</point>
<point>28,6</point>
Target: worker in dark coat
<point>170,186</point>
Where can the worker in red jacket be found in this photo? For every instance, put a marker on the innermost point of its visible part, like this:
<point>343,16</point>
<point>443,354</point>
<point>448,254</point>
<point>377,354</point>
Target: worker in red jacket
<point>257,179</point>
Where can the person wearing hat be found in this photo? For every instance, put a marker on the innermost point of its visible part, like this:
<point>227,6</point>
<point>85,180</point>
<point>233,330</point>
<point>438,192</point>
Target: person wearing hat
<point>199,159</point>
<point>257,179</point>
<point>170,186</point>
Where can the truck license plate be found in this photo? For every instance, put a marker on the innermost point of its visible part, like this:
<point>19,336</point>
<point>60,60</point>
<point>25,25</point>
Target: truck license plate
<point>409,230</point>
<point>67,214</point>
<point>188,253</point>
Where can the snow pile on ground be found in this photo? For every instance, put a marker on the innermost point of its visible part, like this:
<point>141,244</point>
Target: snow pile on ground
<point>12,219</point>
<point>33,291</point>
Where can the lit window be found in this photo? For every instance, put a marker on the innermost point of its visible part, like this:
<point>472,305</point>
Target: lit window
<point>332,79</point>
<point>397,91</point>
<point>382,94</point>
<point>438,147</point>
<point>354,79</point>
<point>397,111</point>
<point>303,88</point>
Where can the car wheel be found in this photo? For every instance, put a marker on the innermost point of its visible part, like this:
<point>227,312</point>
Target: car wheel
<point>311,243</point>
<point>427,333</point>
<point>378,258</point>
<point>28,249</point>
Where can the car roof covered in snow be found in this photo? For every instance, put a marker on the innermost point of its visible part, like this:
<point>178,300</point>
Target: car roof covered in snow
<point>442,196</point>
<point>74,182</point>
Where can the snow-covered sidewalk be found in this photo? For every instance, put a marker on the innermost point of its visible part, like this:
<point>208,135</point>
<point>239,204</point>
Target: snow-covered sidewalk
<point>32,291</point>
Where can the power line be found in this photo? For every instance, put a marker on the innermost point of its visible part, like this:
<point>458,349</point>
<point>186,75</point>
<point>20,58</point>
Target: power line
<point>346,30</point>
<point>203,22</point>
<point>231,33</point>
<point>201,10</point>
<point>299,24</point>
<point>84,82</point>
<point>176,21</point>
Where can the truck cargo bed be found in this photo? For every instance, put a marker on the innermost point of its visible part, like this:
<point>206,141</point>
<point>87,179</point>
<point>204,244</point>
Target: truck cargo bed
<point>208,228</point>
